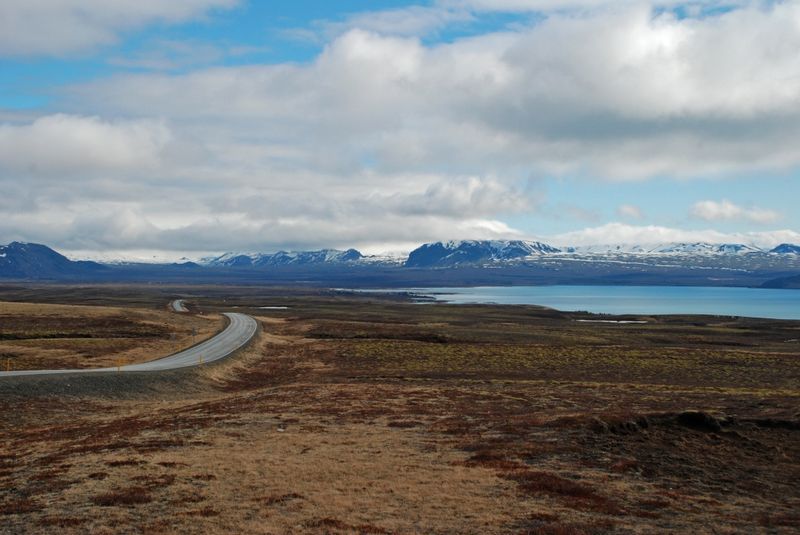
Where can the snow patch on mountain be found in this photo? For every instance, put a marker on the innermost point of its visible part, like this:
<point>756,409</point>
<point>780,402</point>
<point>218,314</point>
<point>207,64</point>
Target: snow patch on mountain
<point>454,253</point>
<point>284,258</point>
<point>696,248</point>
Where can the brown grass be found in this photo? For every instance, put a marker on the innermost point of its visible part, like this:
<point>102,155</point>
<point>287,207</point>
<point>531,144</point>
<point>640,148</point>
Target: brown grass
<point>123,497</point>
<point>69,336</point>
<point>19,506</point>
<point>281,499</point>
<point>62,521</point>
<point>349,417</point>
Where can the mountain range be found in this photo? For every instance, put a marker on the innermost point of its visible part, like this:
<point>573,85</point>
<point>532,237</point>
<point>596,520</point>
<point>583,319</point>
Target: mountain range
<point>786,248</point>
<point>33,261</point>
<point>454,253</point>
<point>464,262</point>
<point>696,248</point>
<point>284,258</point>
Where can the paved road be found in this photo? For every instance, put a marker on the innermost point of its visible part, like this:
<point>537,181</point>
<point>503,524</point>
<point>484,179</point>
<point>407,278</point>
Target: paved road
<point>237,334</point>
<point>179,306</point>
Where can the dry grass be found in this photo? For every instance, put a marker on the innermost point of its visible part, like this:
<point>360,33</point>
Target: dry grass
<point>334,425</point>
<point>123,497</point>
<point>51,336</point>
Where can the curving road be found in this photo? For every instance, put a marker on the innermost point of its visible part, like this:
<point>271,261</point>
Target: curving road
<point>237,334</point>
<point>179,306</point>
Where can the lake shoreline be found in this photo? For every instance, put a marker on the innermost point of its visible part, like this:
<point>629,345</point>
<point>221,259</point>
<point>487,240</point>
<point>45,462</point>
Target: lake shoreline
<point>720,301</point>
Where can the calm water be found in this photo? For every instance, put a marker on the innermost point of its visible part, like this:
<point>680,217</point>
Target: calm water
<point>750,302</point>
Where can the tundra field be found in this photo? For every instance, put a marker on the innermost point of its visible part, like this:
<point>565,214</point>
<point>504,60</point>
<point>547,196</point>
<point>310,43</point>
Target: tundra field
<point>369,414</point>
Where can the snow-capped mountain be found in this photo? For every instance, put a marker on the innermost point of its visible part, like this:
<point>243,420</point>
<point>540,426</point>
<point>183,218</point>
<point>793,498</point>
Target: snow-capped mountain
<point>608,249</point>
<point>786,248</point>
<point>702,248</point>
<point>453,253</point>
<point>696,248</point>
<point>387,259</point>
<point>34,261</point>
<point>284,258</point>
<point>505,261</point>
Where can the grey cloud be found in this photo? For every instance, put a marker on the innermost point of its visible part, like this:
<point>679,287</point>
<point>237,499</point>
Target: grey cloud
<point>620,233</point>
<point>602,92</point>
<point>61,143</point>
<point>57,28</point>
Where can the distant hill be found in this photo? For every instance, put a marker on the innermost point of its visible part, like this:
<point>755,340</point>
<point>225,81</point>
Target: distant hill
<point>450,263</point>
<point>702,248</point>
<point>668,249</point>
<point>34,261</point>
<point>786,248</point>
<point>285,258</point>
<point>788,283</point>
<point>455,253</point>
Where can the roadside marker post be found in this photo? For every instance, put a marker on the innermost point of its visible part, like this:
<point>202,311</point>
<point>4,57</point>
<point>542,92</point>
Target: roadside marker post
<point>8,365</point>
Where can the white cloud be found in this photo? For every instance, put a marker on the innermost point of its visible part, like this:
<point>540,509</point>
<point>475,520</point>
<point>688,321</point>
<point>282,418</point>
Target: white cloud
<point>620,233</point>
<point>65,143</point>
<point>630,211</point>
<point>511,6</point>
<point>404,21</point>
<point>622,93</point>
<point>387,139</point>
<point>469,197</point>
<point>725,210</point>
<point>60,27</point>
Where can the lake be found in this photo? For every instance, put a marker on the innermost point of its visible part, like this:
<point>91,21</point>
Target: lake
<point>719,301</point>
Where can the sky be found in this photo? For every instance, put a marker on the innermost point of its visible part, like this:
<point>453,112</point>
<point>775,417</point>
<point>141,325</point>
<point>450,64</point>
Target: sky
<point>151,129</point>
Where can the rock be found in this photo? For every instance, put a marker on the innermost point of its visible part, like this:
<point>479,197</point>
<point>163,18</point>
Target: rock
<point>699,420</point>
<point>729,421</point>
<point>598,426</point>
<point>625,427</point>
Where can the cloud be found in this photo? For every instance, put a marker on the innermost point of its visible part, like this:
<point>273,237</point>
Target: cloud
<point>620,233</point>
<point>517,6</point>
<point>386,138</point>
<point>405,21</point>
<point>630,211</point>
<point>624,94</point>
<point>63,143</point>
<point>460,197</point>
<point>132,230</point>
<point>725,210</point>
<point>58,27</point>
<point>168,55</point>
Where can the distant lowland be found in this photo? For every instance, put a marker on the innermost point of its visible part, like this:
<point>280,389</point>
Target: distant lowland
<point>448,263</point>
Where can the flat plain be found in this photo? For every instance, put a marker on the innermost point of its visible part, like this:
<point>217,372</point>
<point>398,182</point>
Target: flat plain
<point>361,414</point>
<point>53,336</point>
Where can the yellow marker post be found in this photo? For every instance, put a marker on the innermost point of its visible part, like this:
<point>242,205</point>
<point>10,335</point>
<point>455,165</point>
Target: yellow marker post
<point>201,360</point>
<point>8,365</point>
